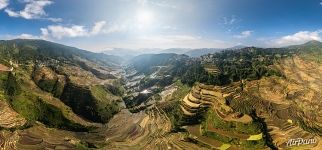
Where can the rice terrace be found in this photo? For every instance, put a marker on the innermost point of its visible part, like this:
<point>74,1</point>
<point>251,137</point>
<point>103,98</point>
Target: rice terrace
<point>160,75</point>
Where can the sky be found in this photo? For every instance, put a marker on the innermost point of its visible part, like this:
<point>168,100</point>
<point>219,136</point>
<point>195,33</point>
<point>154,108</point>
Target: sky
<point>98,25</point>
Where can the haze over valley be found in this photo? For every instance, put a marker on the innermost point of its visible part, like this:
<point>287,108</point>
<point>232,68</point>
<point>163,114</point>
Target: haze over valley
<point>160,74</point>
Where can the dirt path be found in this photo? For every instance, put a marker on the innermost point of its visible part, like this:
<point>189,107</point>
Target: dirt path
<point>5,68</point>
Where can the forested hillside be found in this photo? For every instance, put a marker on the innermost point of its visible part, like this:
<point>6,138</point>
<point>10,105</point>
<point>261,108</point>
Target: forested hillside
<point>248,98</point>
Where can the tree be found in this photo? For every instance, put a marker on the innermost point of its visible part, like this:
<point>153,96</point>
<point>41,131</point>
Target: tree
<point>12,86</point>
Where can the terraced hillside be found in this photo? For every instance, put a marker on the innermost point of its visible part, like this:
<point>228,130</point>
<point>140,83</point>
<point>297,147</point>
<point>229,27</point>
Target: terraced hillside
<point>222,125</point>
<point>9,118</point>
<point>230,125</point>
<point>250,98</point>
<point>295,101</point>
<point>38,137</point>
<point>271,111</point>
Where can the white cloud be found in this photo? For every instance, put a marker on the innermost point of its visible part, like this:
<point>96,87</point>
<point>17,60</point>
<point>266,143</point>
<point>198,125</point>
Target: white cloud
<point>21,36</point>
<point>52,32</point>
<point>98,27</point>
<point>244,34</point>
<point>59,31</point>
<point>320,3</point>
<point>4,4</point>
<point>297,38</point>
<point>34,9</point>
<point>11,13</point>
<point>27,36</point>
<point>45,33</point>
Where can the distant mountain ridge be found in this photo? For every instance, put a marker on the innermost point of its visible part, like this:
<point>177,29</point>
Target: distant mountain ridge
<point>40,49</point>
<point>309,44</point>
<point>130,53</point>
<point>241,97</point>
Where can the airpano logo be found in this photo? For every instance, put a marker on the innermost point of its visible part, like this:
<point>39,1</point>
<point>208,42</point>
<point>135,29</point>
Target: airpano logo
<point>300,141</point>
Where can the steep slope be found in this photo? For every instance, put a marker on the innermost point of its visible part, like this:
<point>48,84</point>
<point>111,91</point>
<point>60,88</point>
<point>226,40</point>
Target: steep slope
<point>41,78</point>
<point>250,98</point>
<point>9,118</point>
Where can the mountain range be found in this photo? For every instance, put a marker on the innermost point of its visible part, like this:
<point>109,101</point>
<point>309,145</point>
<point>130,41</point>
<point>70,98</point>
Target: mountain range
<point>130,53</point>
<point>54,96</point>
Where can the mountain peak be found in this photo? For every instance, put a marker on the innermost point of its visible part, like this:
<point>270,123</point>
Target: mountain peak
<point>313,42</point>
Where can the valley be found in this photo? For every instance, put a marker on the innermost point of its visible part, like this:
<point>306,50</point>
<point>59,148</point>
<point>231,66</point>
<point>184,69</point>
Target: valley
<point>58,97</point>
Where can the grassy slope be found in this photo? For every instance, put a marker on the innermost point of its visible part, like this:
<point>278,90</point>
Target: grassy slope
<point>106,102</point>
<point>94,103</point>
<point>28,53</point>
<point>37,105</point>
<point>234,127</point>
<point>34,108</point>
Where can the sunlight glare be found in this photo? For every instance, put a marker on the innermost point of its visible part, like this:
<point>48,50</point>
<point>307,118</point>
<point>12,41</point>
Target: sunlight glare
<point>144,18</point>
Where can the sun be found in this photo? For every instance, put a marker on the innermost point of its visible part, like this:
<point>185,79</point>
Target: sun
<point>144,18</point>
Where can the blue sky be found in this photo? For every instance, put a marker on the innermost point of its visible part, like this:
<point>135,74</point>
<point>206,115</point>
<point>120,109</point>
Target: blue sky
<point>98,25</point>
